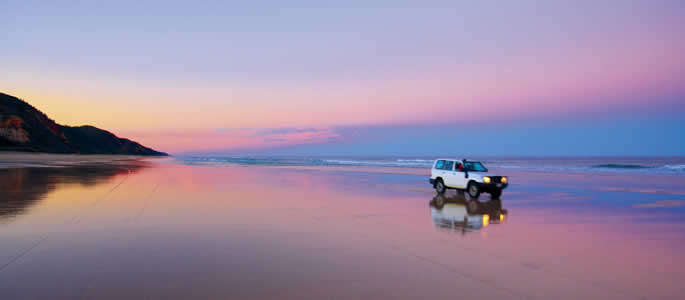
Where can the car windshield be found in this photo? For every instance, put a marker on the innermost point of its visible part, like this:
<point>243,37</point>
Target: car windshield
<point>474,166</point>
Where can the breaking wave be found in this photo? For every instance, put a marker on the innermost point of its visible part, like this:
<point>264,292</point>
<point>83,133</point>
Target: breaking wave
<point>673,166</point>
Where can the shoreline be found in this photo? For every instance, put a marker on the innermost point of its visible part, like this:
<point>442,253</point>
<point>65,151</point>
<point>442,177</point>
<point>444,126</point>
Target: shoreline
<point>654,184</point>
<point>47,160</point>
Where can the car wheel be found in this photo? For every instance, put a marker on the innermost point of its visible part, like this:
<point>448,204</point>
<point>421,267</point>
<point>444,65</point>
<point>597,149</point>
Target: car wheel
<point>474,189</point>
<point>440,187</point>
<point>494,195</point>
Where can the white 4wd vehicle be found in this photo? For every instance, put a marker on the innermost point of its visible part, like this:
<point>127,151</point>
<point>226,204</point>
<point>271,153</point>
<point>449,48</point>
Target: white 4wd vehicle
<point>471,176</point>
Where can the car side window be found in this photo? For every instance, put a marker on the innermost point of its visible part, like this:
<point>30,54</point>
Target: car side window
<point>448,165</point>
<point>460,167</point>
<point>440,164</point>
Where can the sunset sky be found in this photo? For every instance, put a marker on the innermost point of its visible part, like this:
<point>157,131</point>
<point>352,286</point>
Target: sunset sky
<point>357,77</point>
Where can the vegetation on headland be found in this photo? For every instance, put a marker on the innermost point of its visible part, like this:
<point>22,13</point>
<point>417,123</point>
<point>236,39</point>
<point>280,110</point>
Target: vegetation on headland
<point>25,128</point>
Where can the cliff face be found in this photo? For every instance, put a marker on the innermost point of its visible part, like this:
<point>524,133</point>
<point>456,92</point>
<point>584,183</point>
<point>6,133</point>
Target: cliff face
<point>24,128</point>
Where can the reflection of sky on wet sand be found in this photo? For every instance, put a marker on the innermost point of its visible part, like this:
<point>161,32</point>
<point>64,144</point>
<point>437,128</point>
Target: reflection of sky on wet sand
<point>178,231</point>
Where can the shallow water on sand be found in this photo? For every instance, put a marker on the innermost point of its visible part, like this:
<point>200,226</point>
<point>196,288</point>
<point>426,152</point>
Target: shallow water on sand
<point>166,230</point>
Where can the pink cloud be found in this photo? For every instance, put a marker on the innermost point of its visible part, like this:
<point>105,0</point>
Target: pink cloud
<point>232,138</point>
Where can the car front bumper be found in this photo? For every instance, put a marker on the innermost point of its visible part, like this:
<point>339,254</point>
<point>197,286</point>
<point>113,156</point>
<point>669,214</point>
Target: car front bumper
<point>486,187</point>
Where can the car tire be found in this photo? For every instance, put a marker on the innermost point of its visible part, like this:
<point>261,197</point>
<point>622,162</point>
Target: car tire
<point>440,186</point>
<point>473,189</point>
<point>494,195</point>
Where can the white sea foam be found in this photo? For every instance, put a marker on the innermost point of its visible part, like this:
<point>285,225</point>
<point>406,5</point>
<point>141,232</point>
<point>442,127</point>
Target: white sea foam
<point>675,167</point>
<point>590,165</point>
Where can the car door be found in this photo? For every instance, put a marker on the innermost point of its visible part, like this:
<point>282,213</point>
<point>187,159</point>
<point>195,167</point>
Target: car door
<point>449,174</point>
<point>459,176</point>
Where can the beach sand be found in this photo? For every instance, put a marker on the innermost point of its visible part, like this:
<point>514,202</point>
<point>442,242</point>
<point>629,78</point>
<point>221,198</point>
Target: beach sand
<point>129,228</point>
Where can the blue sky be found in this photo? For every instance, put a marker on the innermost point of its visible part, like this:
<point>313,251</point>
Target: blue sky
<point>529,77</point>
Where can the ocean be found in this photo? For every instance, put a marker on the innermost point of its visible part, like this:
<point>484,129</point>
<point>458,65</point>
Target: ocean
<point>622,165</point>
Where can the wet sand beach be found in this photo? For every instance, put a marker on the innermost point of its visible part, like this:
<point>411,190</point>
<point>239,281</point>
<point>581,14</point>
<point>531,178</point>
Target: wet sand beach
<point>158,229</point>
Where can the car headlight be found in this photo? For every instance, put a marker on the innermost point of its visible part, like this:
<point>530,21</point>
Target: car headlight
<point>486,179</point>
<point>504,180</point>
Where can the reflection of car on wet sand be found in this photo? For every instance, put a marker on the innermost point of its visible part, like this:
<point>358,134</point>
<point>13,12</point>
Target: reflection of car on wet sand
<point>459,214</point>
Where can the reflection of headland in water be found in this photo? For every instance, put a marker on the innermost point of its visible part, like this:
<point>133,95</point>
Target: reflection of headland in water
<point>20,188</point>
<point>459,213</point>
